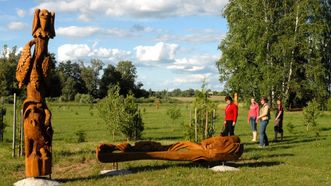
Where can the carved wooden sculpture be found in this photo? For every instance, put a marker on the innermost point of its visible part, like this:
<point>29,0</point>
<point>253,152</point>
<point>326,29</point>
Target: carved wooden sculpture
<point>219,148</point>
<point>33,71</point>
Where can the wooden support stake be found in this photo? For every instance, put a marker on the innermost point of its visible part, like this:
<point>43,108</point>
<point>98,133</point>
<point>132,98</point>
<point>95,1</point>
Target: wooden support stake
<point>190,121</point>
<point>14,126</point>
<point>195,125</point>
<point>21,135</point>
<point>206,125</point>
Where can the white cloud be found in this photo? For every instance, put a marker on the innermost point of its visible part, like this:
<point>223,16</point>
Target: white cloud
<point>16,26</point>
<point>72,52</point>
<point>195,36</point>
<point>194,64</point>
<point>193,78</point>
<point>20,12</point>
<point>138,9</point>
<point>82,52</point>
<point>159,52</point>
<point>75,31</point>
<point>80,32</point>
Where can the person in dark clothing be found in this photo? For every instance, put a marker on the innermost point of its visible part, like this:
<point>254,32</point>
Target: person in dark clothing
<point>278,128</point>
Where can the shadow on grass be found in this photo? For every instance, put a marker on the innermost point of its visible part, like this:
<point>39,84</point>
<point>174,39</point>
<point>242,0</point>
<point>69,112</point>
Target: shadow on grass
<point>325,128</point>
<point>134,170</point>
<point>268,148</point>
<point>130,170</point>
<point>257,164</point>
<point>292,141</point>
<point>258,156</point>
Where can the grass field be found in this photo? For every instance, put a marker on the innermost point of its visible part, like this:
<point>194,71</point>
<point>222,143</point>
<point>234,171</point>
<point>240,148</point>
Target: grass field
<point>301,159</point>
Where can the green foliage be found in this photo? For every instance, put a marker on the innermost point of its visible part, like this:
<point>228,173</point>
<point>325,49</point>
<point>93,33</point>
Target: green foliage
<point>124,75</point>
<point>71,80</point>
<point>90,75</point>
<point>81,136</point>
<point>290,127</point>
<point>204,108</point>
<point>83,98</point>
<point>311,113</point>
<point>284,51</point>
<point>2,123</point>
<point>174,113</point>
<point>299,157</point>
<point>120,114</point>
<point>8,63</point>
<point>329,104</point>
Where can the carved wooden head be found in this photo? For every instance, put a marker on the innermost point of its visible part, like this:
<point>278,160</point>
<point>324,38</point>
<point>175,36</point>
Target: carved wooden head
<point>34,114</point>
<point>43,24</point>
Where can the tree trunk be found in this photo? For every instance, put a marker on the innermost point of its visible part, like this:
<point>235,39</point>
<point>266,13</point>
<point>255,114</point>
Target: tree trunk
<point>289,77</point>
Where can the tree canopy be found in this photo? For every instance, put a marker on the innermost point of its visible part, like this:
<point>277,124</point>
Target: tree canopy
<point>277,49</point>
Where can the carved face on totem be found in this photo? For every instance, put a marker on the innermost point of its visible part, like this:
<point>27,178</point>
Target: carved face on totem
<point>43,24</point>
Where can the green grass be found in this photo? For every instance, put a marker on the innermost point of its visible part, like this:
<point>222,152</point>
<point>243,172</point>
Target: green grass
<point>302,159</point>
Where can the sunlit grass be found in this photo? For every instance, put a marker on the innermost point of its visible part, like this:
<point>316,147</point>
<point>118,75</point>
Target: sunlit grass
<point>301,159</point>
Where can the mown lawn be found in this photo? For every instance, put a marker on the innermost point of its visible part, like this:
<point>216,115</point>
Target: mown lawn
<point>301,159</point>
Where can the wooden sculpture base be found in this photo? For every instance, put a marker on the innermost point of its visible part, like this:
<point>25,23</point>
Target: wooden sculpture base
<point>36,166</point>
<point>219,148</point>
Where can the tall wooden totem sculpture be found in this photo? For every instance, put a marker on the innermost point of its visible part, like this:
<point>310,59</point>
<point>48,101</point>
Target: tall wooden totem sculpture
<point>33,71</point>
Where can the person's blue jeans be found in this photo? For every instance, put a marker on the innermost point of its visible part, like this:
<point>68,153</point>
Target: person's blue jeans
<point>252,122</point>
<point>263,135</point>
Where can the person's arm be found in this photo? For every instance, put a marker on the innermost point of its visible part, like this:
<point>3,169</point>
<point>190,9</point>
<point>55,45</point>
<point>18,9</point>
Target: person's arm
<point>224,116</point>
<point>257,110</point>
<point>248,116</point>
<point>235,115</point>
<point>264,112</point>
<point>279,113</point>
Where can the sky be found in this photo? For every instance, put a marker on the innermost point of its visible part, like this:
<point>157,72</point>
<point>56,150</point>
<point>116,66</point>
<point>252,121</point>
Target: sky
<point>172,43</point>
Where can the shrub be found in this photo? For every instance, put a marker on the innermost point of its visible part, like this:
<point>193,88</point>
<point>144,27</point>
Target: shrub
<point>174,113</point>
<point>81,136</point>
<point>290,128</point>
<point>2,123</point>
<point>329,104</point>
<point>311,113</point>
<point>120,114</point>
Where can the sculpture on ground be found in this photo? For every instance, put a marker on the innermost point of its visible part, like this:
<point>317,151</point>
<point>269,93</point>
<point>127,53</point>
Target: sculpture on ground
<point>33,72</point>
<point>218,148</point>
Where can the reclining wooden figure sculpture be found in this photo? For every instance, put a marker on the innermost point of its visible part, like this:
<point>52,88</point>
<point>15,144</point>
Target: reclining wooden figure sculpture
<point>33,71</point>
<point>218,148</point>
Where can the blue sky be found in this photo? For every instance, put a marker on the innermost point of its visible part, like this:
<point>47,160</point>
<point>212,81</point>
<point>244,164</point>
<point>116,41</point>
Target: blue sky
<point>173,43</point>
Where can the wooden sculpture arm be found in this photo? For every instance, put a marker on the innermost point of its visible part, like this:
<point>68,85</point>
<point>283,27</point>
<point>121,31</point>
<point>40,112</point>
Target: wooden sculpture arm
<point>24,64</point>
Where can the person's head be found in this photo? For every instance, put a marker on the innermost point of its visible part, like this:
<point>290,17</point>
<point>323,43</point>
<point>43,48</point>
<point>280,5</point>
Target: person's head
<point>228,99</point>
<point>264,100</point>
<point>253,101</point>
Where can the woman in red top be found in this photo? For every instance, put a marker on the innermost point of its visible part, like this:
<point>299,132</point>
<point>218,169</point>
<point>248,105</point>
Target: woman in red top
<point>231,113</point>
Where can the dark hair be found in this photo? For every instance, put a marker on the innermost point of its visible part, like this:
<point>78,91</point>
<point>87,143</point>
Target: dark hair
<point>228,98</point>
<point>265,99</point>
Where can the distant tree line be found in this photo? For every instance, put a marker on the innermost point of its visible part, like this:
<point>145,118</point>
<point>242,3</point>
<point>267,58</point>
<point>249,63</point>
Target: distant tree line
<point>183,93</point>
<point>278,49</point>
<point>72,79</point>
<point>85,81</point>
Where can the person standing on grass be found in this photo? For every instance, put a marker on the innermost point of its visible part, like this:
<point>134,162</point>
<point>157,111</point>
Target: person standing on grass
<point>230,119</point>
<point>278,128</point>
<point>252,117</point>
<point>264,118</point>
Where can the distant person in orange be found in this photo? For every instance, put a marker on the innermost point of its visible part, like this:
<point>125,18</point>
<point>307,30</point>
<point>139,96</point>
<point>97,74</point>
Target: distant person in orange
<point>230,119</point>
<point>253,113</point>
